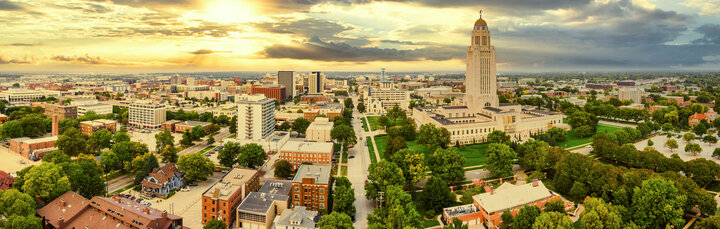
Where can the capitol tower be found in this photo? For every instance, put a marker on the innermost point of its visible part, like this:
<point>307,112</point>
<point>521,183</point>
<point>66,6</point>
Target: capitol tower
<point>480,79</point>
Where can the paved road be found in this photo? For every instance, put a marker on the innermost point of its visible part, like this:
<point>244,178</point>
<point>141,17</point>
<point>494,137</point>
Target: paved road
<point>357,174</point>
<point>222,134</point>
<point>119,183</point>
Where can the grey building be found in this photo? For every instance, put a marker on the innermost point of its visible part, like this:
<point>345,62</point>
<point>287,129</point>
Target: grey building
<point>286,79</point>
<point>298,218</point>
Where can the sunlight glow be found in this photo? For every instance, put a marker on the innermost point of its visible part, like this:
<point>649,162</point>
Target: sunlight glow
<point>228,11</point>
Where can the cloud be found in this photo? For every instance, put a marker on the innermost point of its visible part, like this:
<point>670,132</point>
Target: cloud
<point>154,3</point>
<point>311,27</point>
<point>707,7</point>
<point>511,6</point>
<point>25,60</point>
<point>206,52</point>
<point>710,32</point>
<point>10,6</point>
<point>22,44</point>
<point>206,29</point>
<point>87,59</point>
<point>316,49</point>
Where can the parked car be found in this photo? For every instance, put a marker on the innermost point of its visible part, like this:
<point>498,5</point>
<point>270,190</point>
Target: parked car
<point>138,200</point>
<point>289,178</point>
<point>185,189</point>
<point>193,184</point>
<point>217,170</point>
<point>212,152</point>
<point>207,154</point>
<point>350,147</point>
<point>351,157</point>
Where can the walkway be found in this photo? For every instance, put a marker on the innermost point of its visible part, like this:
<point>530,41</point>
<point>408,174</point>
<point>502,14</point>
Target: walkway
<point>371,135</point>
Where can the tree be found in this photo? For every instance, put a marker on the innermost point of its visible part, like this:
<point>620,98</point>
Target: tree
<point>508,220</point>
<point>98,140</point>
<point>56,157</point>
<point>45,182</point>
<point>526,216</point>
<point>650,142</point>
<point>126,151</point>
<point>432,136</point>
<point>380,176</point>
<point>700,129</point>
<point>671,144</point>
<point>215,224</point>
<point>716,153</point>
<point>282,168</point>
<point>336,220</point>
<point>343,200</point>
<point>33,125</point>
<point>23,222</point>
<point>85,176</point>
<point>196,166</point>
<point>251,156</point>
<point>233,125</point>
<point>168,154</point>
<point>553,220</point>
<point>210,140</point>
<point>693,148</point>
<point>109,160</point>
<point>656,204</point>
<point>458,224</point>
<point>585,131</point>
<point>345,135</point>
<point>163,139</point>
<point>121,136</point>
<point>500,159</point>
<point>300,125</point>
<point>14,202</point>
<point>197,133</point>
<point>227,156</point>
<point>397,212</point>
<point>213,128</point>
<point>285,125</point>
<point>141,166</point>
<point>709,222</point>
<point>667,127</point>
<point>412,164</point>
<point>702,171</point>
<point>498,136</point>
<point>581,118</point>
<point>393,145</point>
<point>688,137</point>
<point>349,103</point>
<point>710,139</point>
<point>557,134</point>
<point>187,139</point>
<point>11,129</point>
<point>437,195</point>
<point>555,205</point>
<point>71,142</point>
<point>599,214</point>
<point>361,107</point>
<point>533,154</point>
<point>447,164</point>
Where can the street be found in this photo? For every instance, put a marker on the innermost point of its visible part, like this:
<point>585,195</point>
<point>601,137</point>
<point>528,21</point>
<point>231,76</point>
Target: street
<point>357,174</point>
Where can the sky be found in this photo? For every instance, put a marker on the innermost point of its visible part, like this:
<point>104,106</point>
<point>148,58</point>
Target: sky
<point>356,35</point>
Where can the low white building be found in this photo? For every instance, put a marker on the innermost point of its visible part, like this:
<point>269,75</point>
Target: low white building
<point>319,130</point>
<point>98,108</point>
<point>14,96</point>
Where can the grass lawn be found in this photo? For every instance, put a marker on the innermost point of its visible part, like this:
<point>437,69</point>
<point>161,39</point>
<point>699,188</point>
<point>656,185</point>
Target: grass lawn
<point>375,125</point>
<point>430,223</point>
<point>206,149</point>
<point>344,158</point>
<point>572,139</point>
<point>343,171</point>
<point>373,159</point>
<point>474,154</point>
<point>365,127</point>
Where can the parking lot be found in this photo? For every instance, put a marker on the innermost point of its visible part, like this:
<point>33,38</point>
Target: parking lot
<point>12,162</point>
<point>149,137</point>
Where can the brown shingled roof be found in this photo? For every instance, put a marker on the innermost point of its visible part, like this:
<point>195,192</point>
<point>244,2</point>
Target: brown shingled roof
<point>6,180</point>
<point>163,174</point>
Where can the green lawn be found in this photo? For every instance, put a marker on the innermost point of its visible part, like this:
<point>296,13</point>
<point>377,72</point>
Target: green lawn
<point>375,125</point>
<point>365,127</point>
<point>203,151</point>
<point>368,142</point>
<point>344,158</point>
<point>430,223</point>
<point>572,139</point>
<point>343,171</point>
<point>474,154</point>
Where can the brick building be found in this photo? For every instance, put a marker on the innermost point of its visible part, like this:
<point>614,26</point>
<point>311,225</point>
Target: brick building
<point>276,92</point>
<point>297,152</point>
<point>188,125</point>
<point>169,125</point>
<point>311,187</point>
<point>259,209</point>
<point>61,110</point>
<point>221,200</point>
<point>89,127</point>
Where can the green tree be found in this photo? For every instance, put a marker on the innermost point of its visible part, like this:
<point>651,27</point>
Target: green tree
<point>300,125</point>
<point>168,154</point>
<point>393,145</point>
<point>702,171</point>
<point>555,205</point>
<point>599,214</point>
<point>650,142</point>
<point>187,139</point>
<point>56,157</point>
<point>98,140</point>
<point>349,103</point>
<point>500,159</point>
<point>526,216</point>
<point>585,131</point>
<point>657,204</point>
<point>533,154</point>
<point>197,132</point>
<point>693,148</point>
<point>433,136</point>
<point>163,139</point>
<point>141,166</point>
<point>671,144</point>
<point>45,182</point>
<point>233,125</point>
<point>71,142</point>
<point>121,136</point>
<point>285,125</point>
<point>716,153</point>
<point>215,224</point>
<point>712,222</point>
<point>126,151</point>
<point>251,156</point>
<point>343,200</point>
<point>553,220</point>
<point>498,136</point>
<point>667,127</point>
<point>447,164</point>
<point>508,220</point>
<point>398,211</point>
<point>344,135</point>
<point>109,160</point>
<point>458,224</point>
<point>85,177</point>
<point>380,176</point>
<point>213,128</point>
<point>557,134</point>
<point>33,125</point>
<point>361,107</point>
<point>412,164</point>
<point>196,166</point>
<point>11,129</point>
<point>227,156</point>
<point>23,222</point>
<point>282,168</point>
<point>210,140</point>
<point>336,220</point>
<point>14,202</point>
<point>710,139</point>
<point>581,118</point>
<point>437,195</point>
<point>700,129</point>
<point>688,137</point>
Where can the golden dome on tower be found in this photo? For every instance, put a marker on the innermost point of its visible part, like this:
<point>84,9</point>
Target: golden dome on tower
<point>480,22</point>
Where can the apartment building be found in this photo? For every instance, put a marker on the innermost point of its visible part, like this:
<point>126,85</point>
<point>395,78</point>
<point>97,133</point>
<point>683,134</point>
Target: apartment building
<point>277,92</point>
<point>221,200</point>
<point>98,108</point>
<point>63,111</point>
<point>311,187</point>
<point>316,83</point>
<point>298,218</point>
<point>319,130</point>
<point>89,127</point>
<point>297,152</point>
<point>146,114</point>
<point>259,209</point>
<point>330,110</point>
<point>256,117</point>
<point>15,96</point>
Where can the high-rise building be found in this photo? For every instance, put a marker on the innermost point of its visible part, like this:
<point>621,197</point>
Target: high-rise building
<point>146,114</point>
<point>256,117</point>
<point>480,74</point>
<point>315,83</point>
<point>633,94</point>
<point>190,81</point>
<point>286,79</point>
<point>63,111</point>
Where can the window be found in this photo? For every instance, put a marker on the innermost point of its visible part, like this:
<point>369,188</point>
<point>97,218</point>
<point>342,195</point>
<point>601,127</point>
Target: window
<point>322,198</point>
<point>322,206</point>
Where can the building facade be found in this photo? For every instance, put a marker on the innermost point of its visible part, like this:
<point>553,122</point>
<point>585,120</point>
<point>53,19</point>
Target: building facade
<point>147,115</point>
<point>89,127</point>
<point>63,111</point>
<point>298,218</point>
<point>221,200</point>
<point>285,78</point>
<point>15,96</point>
<point>297,152</point>
<point>316,84</point>
<point>277,92</point>
<point>256,117</point>
<point>162,181</point>
<point>98,108</point>
<point>311,187</point>
<point>319,130</point>
<point>633,94</point>
<point>259,209</point>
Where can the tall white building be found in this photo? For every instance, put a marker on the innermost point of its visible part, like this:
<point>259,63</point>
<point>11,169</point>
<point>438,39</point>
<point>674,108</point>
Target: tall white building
<point>146,114</point>
<point>316,84</point>
<point>480,74</point>
<point>633,94</point>
<point>256,117</point>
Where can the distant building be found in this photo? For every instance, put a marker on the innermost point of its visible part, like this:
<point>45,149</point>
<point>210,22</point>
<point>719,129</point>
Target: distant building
<point>655,108</point>
<point>493,203</point>
<point>14,96</point>
<point>162,181</point>
<point>285,78</point>
<point>221,200</point>
<point>63,111</point>
<point>387,98</point>
<point>626,83</point>
<point>329,110</point>
<point>316,153</point>
<point>188,125</point>
<point>311,187</point>
<point>98,108</point>
<point>89,127</point>
<point>599,86</point>
<point>169,125</point>
<point>695,119</point>
<point>35,148</point>
<point>277,92</point>
<point>147,115</point>
<point>298,218</point>
<point>635,95</point>
<point>259,209</point>
<point>316,84</point>
<point>6,181</point>
<point>256,117</point>
<point>319,130</point>
<point>71,210</point>
<point>669,88</point>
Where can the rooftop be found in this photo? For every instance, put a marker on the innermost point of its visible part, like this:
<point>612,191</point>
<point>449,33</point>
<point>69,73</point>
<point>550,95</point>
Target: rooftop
<point>194,123</point>
<point>460,210</point>
<point>261,201</point>
<point>308,147</point>
<point>321,173</point>
<point>298,217</point>
<point>232,181</point>
<point>509,195</point>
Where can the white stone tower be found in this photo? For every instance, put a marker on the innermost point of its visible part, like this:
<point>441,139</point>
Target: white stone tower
<point>480,79</point>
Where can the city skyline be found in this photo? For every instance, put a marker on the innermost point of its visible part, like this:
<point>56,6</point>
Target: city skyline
<point>354,35</point>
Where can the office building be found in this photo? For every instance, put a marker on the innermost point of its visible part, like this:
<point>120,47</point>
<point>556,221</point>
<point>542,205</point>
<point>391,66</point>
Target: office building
<point>98,108</point>
<point>63,111</point>
<point>297,152</point>
<point>629,93</point>
<point>259,209</point>
<point>15,96</point>
<point>256,117</point>
<point>285,78</point>
<point>316,84</point>
<point>319,130</point>
<point>311,187</point>
<point>146,114</point>
<point>277,91</point>
<point>221,200</point>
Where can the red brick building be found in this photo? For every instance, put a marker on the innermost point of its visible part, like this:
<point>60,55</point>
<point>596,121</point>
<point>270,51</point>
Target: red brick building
<point>297,152</point>
<point>311,186</point>
<point>89,127</point>
<point>272,91</point>
<point>221,200</point>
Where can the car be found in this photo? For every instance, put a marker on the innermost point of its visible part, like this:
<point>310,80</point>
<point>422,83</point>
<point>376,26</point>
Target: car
<point>212,152</point>
<point>360,138</point>
<point>351,146</point>
<point>351,157</point>
<point>289,178</point>
<point>138,200</point>
<point>185,189</point>
<point>132,197</point>
<point>217,170</point>
<point>678,137</point>
<point>207,154</point>
<point>193,184</point>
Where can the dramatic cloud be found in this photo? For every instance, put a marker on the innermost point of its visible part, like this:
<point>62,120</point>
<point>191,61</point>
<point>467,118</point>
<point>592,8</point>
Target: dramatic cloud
<point>707,7</point>
<point>206,51</point>
<point>10,6</point>
<point>710,32</point>
<point>22,44</point>
<point>207,29</point>
<point>153,3</point>
<point>7,60</point>
<point>87,59</point>
<point>311,27</point>
<point>510,5</point>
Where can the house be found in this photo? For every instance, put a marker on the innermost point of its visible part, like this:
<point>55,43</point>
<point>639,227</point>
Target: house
<point>510,197</point>
<point>298,218</point>
<point>6,180</point>
<point>162,181</point>
<point>693,120</point>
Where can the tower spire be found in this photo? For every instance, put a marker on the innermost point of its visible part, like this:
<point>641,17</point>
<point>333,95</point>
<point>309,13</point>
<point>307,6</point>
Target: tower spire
<point>480,14</point>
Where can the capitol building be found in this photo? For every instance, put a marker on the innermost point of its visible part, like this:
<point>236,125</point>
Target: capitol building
<point>482,113</point>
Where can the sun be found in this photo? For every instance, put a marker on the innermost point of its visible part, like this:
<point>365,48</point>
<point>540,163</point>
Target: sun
<point>228,11</point>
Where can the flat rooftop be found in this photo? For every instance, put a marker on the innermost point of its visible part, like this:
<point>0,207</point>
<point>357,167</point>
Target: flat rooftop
<point>321,173</point>
<point>260,202</point>
<point>308,147</point>
<point>460,210</point>
<point>194,123</point>
<point>230,183</point>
